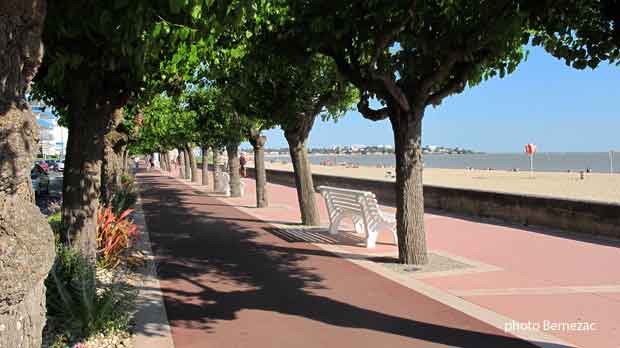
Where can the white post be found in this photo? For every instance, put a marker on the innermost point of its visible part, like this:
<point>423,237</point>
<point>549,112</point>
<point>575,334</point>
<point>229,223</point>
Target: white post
<point>532,165</point>
<point>611,161</point>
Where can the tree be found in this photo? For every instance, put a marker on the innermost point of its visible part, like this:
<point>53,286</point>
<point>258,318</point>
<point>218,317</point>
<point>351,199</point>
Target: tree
<point>26,241</point>
<point>410,54</point>
<point>93,69</point>
<point>232,125</point>
<point>258,141</point>
<point>292,89</point>
<point>248,101</point>
<point>166,125</point>
<point>205,165</point>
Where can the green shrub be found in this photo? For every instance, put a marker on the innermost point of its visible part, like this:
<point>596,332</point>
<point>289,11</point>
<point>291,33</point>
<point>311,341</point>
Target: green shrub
<point>122,200</point>
<point>74,306</point>
<point>55,221</point>
<point>127,181</point>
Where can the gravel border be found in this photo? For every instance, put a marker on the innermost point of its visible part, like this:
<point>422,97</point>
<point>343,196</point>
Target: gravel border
<point>436,263</point>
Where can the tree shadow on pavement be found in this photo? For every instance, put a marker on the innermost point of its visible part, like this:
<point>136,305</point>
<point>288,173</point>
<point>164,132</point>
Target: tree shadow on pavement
<point>211,267</point>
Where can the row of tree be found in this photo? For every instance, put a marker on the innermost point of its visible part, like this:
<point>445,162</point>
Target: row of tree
<point>222,70</point>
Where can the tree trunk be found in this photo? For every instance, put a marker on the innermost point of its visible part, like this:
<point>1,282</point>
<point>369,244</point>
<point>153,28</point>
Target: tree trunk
<point>111,167</point>
<point>168,163</point>
<point>233,170</point>
<point>258,143</point>
<point>296,136</point>
<point>164,161</point>
<point>188,165</point>
<point>181,163</point>
<point>192,164</point>
<point>26,240</point>
<point>205,166</point>
<point>216,168</point>
<point>125,159</point>
<point>89,124</point>
<point>409,188</point>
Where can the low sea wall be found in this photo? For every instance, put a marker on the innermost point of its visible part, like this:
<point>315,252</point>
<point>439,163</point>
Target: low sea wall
<point>593,218</point>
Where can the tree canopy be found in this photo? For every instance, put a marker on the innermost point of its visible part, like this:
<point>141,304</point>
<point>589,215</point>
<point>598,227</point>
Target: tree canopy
<point>410,54</point>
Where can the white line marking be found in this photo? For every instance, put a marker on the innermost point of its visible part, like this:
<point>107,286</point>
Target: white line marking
<point>552,290</point>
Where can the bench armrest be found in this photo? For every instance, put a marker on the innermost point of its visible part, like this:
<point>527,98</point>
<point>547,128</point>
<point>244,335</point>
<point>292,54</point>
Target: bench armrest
<point>387,216</point>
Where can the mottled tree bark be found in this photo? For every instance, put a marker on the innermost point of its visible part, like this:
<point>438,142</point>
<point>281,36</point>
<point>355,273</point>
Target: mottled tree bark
<point>205,166</point>
<point>233,170</point>
<point>162,165</point>
<point>181,163</point>
<point>216,168</point>
<point>26,240</point>
<point>409,193</point>
<point>111,167</point>
<point>89,124</point>
<point>120,149</point>
<point>168,162</point>
<point>297,135</point>
<point>258,143</point>
<point>192,164</point>
<point>125,160</point>
<point>188,165</point>
<point>164,161</point>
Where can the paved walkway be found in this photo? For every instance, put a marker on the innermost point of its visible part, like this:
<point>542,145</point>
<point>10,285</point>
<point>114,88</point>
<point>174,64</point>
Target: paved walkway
<point>232,276</point>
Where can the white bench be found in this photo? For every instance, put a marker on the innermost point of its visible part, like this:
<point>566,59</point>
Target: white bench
<point>362,208</point>
<point>224,184</point>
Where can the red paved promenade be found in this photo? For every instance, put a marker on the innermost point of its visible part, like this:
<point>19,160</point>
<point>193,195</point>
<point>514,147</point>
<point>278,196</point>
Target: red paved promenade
<point>233,276</point>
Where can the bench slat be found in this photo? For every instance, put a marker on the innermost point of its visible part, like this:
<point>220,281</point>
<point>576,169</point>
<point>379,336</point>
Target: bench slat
<point>344,191</point>
<point>361,206</point>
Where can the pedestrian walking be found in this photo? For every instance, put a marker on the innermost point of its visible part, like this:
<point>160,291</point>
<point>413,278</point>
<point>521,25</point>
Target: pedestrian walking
<point>242,162</point>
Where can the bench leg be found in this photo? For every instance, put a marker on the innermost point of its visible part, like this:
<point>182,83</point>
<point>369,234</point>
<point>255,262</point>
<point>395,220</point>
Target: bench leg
<point>393,229</point>
<point>359,225</point>
<point>371,238</point>
<point>333,226</point>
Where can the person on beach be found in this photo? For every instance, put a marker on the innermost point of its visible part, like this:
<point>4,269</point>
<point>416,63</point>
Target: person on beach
<point>242,162</point>
<point>136,161</point>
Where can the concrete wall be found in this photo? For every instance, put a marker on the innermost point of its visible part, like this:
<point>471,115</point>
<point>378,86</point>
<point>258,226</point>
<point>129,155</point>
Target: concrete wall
<point>593,218</point>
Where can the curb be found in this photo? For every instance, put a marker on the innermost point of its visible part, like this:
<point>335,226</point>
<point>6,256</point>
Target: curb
<point>151,329</point>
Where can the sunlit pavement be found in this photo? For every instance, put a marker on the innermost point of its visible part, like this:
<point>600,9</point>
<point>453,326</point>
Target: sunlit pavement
<point>229,275</point>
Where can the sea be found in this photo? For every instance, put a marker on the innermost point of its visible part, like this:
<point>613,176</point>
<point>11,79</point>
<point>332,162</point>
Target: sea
<point>548,162</point>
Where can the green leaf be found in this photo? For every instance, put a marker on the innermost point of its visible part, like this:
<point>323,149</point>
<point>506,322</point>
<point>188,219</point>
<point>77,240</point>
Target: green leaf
<point>175,6</point>
<point>184,33</point>
<point>119,4</point>
<point>197,11</point>
<point>157,30</point>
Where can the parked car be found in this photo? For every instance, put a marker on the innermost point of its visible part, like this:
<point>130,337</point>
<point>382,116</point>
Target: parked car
<point>40,180</point>
<point>60,165</point>
<point>42,164</point>
<point>51,164</point>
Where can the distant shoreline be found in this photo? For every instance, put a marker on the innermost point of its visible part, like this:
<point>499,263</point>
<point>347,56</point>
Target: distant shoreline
<point>543,162</point>
<point>601,187</point>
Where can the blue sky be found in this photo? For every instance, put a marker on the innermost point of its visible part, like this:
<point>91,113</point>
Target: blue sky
<point>544,102</point>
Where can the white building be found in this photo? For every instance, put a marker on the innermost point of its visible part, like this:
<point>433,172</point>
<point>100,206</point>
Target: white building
<point>52,137</point>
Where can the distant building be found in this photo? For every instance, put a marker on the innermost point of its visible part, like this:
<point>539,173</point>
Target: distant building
<point>52,137</point>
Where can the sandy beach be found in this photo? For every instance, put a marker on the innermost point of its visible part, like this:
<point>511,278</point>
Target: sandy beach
<point>595,186</point>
